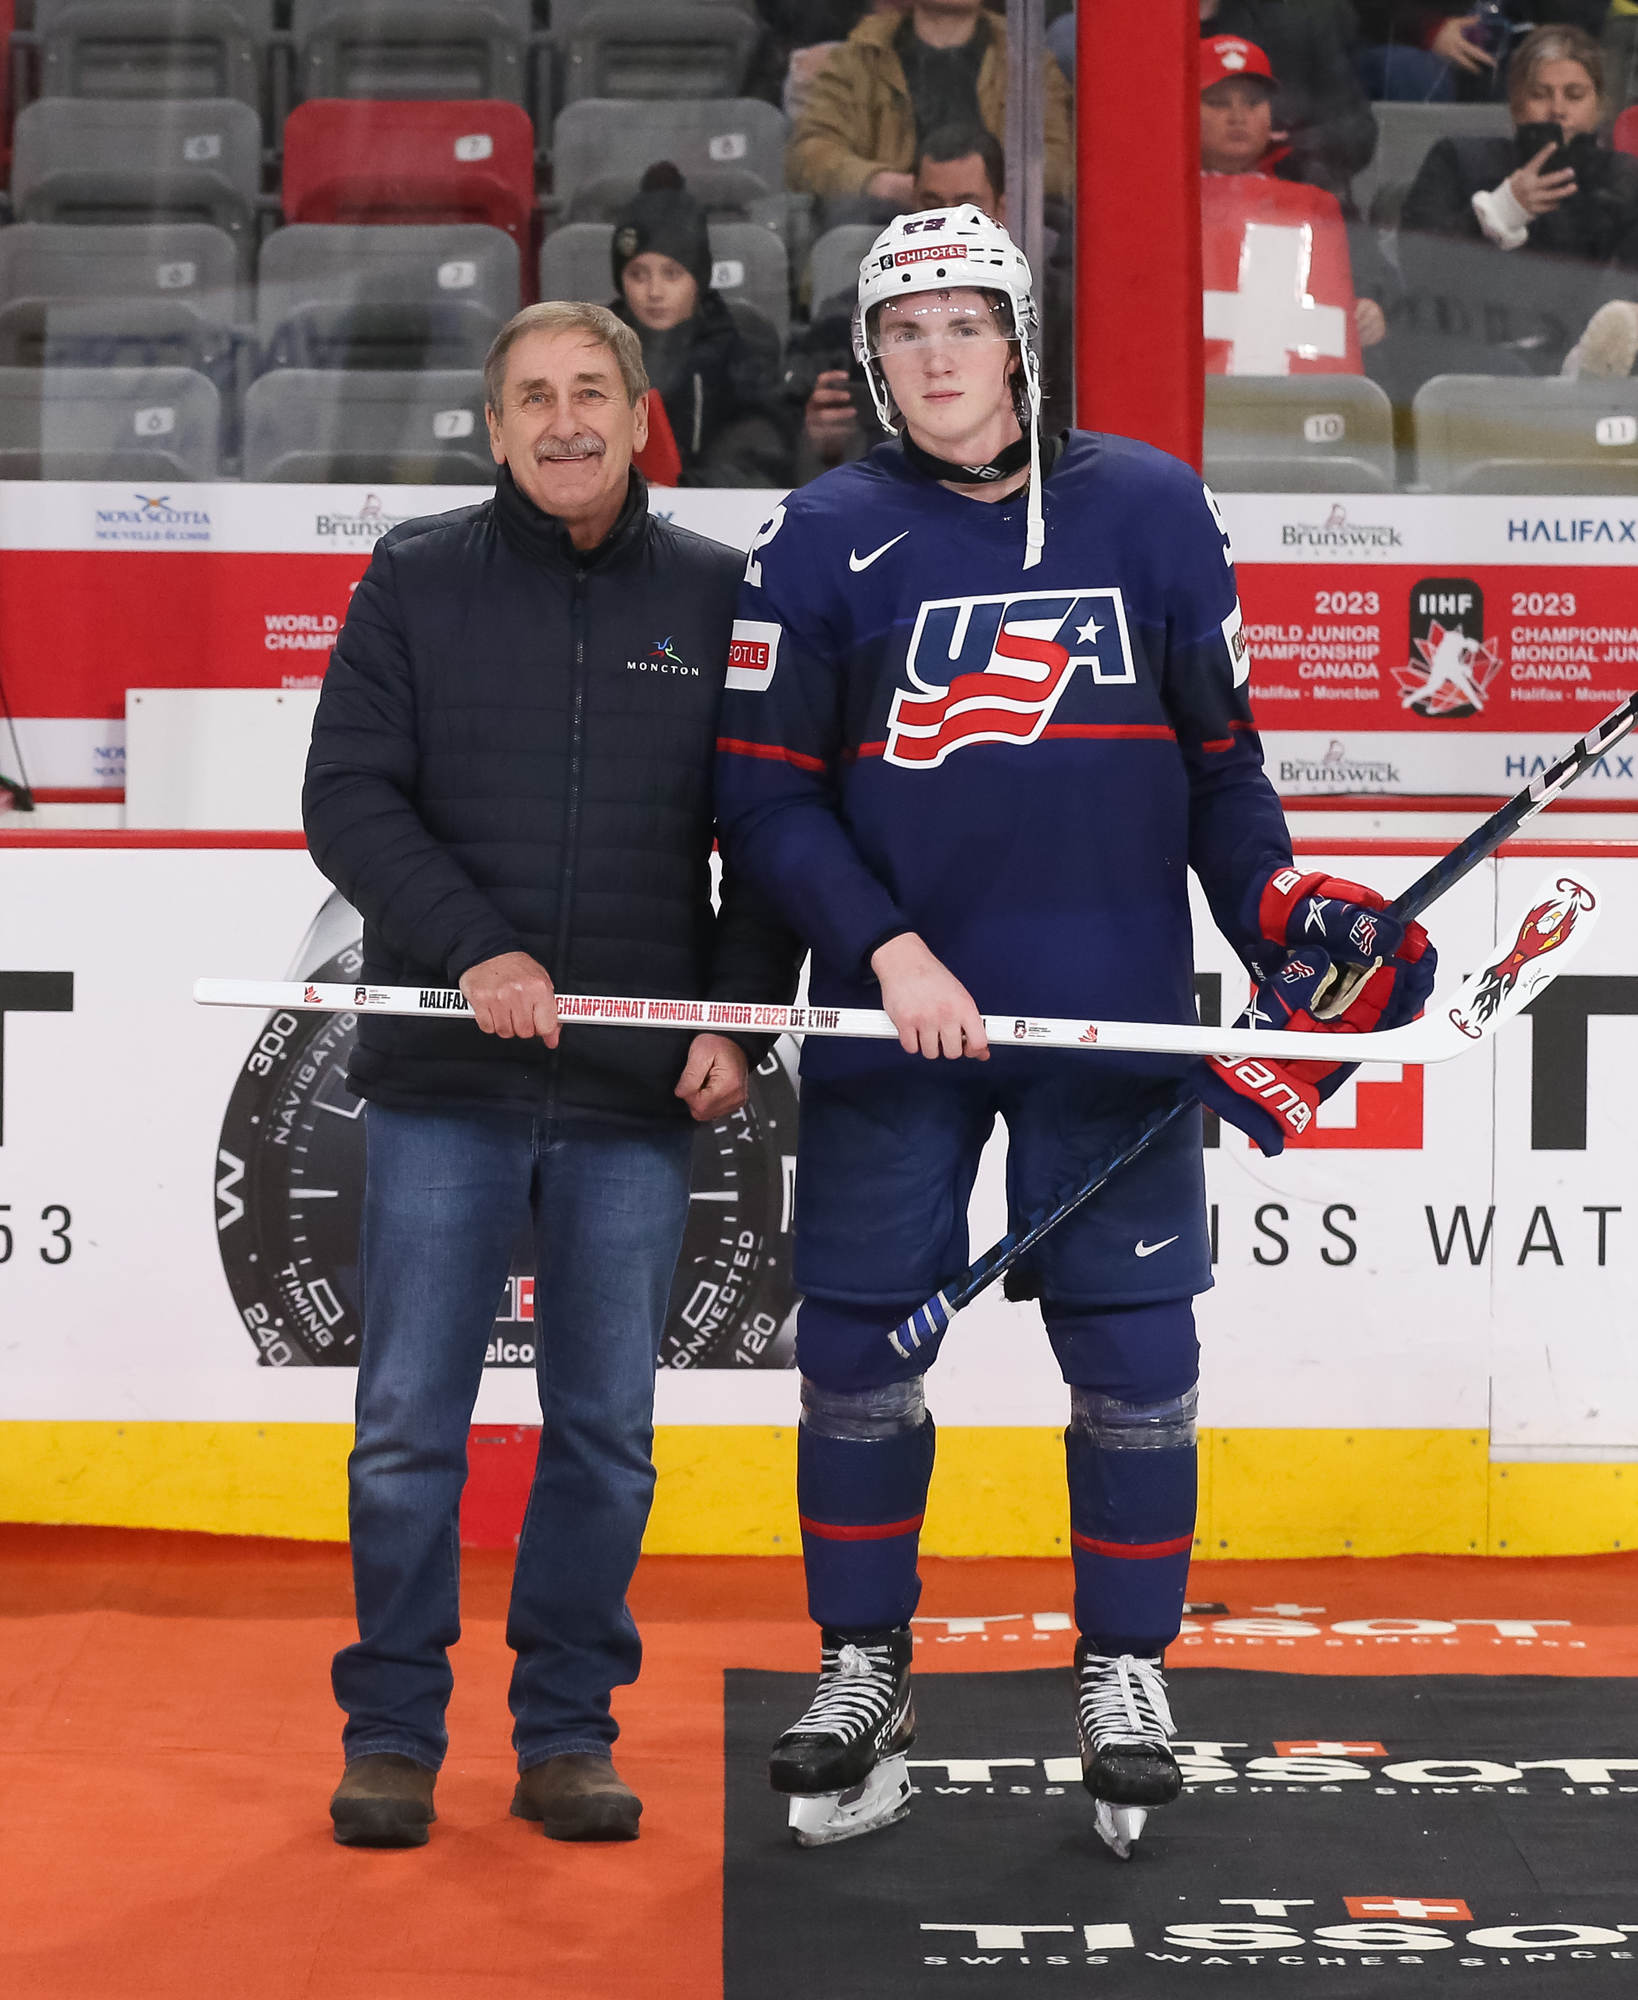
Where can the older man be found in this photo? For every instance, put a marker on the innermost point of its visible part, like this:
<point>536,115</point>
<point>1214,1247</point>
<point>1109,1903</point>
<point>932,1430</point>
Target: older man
<point>511,779</point>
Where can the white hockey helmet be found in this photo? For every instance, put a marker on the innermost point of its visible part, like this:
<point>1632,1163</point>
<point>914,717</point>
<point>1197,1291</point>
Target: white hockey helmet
<point>948,250</point>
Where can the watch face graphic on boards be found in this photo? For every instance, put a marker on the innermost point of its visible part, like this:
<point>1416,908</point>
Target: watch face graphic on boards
<point>290,1185</point>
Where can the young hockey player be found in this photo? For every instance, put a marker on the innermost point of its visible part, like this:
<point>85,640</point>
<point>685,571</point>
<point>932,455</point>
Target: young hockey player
<point>986,707</point>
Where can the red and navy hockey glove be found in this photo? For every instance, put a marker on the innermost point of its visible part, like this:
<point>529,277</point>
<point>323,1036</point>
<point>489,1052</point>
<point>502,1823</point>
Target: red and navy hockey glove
<point>1266,1100</point>
<point>1320,915</point>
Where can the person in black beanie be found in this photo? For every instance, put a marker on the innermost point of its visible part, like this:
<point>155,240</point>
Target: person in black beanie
<point>715,369</point>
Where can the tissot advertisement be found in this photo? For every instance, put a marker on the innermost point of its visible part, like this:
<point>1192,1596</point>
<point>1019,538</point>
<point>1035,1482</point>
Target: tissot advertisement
<point>1449,1246</point>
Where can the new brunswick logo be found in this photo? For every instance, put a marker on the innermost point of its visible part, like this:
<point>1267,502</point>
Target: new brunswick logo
<point>993,669</point>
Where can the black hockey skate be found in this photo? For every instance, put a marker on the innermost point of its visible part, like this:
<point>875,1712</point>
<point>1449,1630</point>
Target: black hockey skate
<point>842,1764</point>
<point>1124,1726</point>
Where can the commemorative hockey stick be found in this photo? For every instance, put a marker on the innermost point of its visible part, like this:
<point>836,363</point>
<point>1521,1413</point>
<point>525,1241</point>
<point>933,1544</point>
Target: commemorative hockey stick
<point>928,1321</point>
<point>1430,1040</point>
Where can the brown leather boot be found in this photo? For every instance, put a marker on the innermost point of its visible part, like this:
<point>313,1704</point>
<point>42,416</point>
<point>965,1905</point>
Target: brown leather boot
<point>383,1801</point>
<point>578,1797</point>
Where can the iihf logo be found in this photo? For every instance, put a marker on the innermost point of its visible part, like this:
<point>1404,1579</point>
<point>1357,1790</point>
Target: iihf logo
<point>993,669</point>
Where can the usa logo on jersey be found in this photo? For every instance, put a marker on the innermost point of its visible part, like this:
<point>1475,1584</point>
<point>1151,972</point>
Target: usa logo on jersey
<point>993,669</point>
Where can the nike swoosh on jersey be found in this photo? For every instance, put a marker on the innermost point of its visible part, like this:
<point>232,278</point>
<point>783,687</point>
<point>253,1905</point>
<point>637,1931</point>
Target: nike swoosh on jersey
<point>1143,1249</point>
<point>856,562</point>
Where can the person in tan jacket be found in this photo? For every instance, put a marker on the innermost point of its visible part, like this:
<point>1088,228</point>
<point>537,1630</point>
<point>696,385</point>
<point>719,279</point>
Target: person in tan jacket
<point>897,76</point>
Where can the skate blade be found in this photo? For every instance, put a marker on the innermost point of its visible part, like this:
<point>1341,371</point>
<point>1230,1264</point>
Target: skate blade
<point>825,1817</point>
<point>1119,1827</point>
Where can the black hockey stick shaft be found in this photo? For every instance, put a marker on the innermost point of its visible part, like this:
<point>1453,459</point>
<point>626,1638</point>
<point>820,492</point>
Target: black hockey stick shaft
<point>928,1321</point>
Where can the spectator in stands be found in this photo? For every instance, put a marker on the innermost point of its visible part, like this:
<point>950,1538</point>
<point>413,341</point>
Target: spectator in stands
<point>1237,136</point>
<point>717,379</point>
<point>1326,129</point>
<point>797,35</point>
<point>900,77</point>
<point>1510,245</point>
<point>1411,51</point>
<point>955,166</point>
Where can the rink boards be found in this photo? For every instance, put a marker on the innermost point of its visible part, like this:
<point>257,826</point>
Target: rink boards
<point>1421,1335</point>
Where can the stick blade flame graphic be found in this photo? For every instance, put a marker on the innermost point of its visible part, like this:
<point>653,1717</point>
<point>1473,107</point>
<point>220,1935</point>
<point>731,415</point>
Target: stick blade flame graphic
<point>1555,926</point>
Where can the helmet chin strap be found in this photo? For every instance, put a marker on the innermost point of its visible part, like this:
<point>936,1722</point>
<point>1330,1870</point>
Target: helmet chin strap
<point>1012,458</point>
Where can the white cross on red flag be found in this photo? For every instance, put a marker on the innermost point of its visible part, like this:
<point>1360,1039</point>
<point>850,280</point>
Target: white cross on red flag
<point>1430,1909</point>
<point>1322,1747</point>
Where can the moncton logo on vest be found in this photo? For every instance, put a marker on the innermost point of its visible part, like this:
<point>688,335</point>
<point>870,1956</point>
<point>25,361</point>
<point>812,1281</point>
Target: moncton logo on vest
<point>662,658</point>
<point>993,669</point>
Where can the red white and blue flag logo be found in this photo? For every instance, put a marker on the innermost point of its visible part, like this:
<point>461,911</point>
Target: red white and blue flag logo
<point>993,669</point>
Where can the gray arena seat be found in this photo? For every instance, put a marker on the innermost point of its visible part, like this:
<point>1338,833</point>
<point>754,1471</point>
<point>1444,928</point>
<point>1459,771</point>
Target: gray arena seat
<point>112,423</point>
<point>355,295</point>
<point>834,264</point>
<point>659,49</point>
<point>750,267</point>
<point>152,48</point>
<point>602,138</point>
<point>108,160</point>
<point>1484,434</point>
<point>378,425</point>
<point>105,295</point>
<point>1404,134</point>
<point>412,48</point>
<point>1298,434</point>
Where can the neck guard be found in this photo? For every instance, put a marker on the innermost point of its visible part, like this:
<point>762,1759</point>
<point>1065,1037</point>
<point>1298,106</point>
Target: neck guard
<point>1004,464</point>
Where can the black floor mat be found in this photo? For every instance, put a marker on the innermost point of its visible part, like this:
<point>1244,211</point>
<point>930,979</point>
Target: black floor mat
<point>1356,1836</point>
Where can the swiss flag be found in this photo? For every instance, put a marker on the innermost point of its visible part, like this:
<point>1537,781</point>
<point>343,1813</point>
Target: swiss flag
<point>1427,1909</point>
<point>1323,1749</point>
<point>1279,288</point>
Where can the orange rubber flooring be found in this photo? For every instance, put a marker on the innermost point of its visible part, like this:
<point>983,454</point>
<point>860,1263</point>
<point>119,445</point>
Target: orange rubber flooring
<point>169,1745</point>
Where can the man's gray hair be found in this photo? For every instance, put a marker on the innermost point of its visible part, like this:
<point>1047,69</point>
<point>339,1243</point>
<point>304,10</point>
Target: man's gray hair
<point>567,316</point>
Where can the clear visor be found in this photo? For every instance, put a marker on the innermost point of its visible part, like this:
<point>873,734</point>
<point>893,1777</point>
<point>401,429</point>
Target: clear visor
<point>937,322</point>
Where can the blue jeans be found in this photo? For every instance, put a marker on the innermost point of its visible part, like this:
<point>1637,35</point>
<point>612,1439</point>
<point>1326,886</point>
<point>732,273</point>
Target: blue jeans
<point>446,1197</point>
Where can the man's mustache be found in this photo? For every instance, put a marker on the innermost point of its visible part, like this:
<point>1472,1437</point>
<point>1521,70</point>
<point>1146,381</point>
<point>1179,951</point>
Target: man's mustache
<point>584,444</point>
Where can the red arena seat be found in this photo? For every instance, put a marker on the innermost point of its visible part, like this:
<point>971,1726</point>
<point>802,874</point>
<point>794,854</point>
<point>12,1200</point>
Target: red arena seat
<point>1625,136</point>
<point>1279,288</point>
<point>367,160</point>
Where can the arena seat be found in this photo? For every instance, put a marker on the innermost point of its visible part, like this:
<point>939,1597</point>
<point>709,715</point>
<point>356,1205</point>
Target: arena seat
<point>1404,132</point>
<point>1624,138</point>
<point>391,426</point>
<point>153,48</point>
<point>834,264</point>
<point>1478,434</point>
<point>1278,286</point>
<point>341,295</point>
<point>112,423</point>
<point>459,160</point>
<point>666,49</point>
<point>750,267</point>
<point>412,48</point>
<point>106,160</point>
<point>1298,434</point>
<point>98,295</point>
<point>602,138</point>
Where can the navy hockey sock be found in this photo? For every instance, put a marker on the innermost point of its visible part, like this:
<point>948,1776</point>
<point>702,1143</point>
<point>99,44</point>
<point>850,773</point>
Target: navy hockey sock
<point>863,1461</point>
<point>1132,1489</point>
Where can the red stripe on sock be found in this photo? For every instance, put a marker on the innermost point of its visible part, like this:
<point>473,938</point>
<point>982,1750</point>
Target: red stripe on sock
<point>1138,1551</point>
<point>870,1531</point>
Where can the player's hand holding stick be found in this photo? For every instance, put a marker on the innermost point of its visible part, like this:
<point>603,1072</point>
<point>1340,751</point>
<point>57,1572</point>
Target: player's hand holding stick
<point>1557,921</point>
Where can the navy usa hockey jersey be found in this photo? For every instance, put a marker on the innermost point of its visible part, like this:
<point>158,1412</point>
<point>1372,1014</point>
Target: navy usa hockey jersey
<point>1020,765</point>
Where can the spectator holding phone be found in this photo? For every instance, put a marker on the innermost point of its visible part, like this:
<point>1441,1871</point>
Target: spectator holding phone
<point>1509,245</point>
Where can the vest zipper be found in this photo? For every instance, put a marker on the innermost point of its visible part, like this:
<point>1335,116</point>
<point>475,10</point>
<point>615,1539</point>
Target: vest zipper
<point>571,815</point>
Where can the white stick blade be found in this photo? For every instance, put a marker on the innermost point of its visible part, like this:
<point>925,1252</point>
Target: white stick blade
<point>1554,927</point>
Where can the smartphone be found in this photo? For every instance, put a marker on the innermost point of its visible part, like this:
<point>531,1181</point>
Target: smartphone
<point>1547,132</point>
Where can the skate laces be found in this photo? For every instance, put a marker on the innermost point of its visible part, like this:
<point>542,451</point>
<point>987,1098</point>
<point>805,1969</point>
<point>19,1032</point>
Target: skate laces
<point>1124,1700</point>
<point>857,1687</point>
